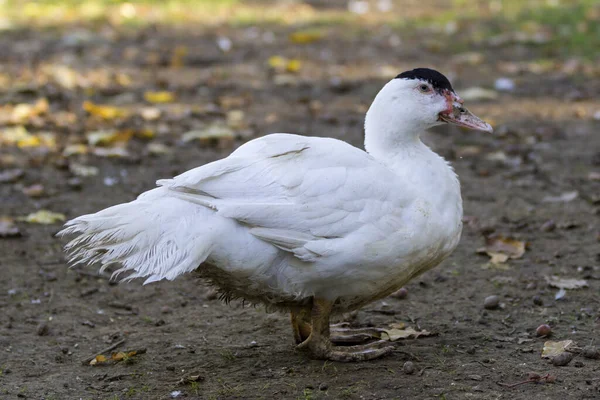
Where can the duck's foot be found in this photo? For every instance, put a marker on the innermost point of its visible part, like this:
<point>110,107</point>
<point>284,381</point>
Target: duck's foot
<point>319,341</point>
<point>323,349</point>
<point>341,336</point>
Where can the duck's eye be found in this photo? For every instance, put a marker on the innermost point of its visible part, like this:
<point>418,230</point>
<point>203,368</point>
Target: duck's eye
<point>423,88</point>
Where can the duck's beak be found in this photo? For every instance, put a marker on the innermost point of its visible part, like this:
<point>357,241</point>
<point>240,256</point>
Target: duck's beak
<point>457,114</point>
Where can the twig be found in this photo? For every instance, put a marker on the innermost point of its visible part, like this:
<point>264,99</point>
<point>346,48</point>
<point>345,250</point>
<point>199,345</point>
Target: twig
<point>533,378</point>
<point>106,350</point>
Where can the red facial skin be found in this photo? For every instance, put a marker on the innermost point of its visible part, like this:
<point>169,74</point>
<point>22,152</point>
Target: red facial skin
<point>451,98</point>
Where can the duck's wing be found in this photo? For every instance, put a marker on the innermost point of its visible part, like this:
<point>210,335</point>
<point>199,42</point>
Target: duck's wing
<point>298,193</point>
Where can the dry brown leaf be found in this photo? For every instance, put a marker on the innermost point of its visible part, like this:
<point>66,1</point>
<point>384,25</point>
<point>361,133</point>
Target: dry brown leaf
<point>44,217</point>
<point>552,349</point>
<point>566,283</point>
<point>501,249</point>
<point>108,137</point>
<point>401,332</point>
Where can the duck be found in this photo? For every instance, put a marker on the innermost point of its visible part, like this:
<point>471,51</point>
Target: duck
<point>310,226</point>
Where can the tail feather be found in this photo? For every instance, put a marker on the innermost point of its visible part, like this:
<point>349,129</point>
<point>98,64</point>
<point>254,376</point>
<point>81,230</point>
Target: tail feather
<point>157,237</point>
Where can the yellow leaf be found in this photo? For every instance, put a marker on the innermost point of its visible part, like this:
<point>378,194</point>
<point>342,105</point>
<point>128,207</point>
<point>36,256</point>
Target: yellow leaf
<point>305,37</point>
<point>100,358</point>
<point>552,348</point>
<point>123,79</point>
<point>30,141</point>
<point>11,136</point>
<point>293,65</point>
<point>501,248</point>
<point>277,62</point>
<point>103,111</point>
<point>178,55</point>
<point>118,356</point>
<point>145,134</point>
<point>159,97</point>
<point>44,217</point>
<point>108,137</point>
<point>73,149</point>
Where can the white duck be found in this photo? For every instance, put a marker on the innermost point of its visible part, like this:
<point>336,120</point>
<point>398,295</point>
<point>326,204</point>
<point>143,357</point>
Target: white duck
<point>310,225</point>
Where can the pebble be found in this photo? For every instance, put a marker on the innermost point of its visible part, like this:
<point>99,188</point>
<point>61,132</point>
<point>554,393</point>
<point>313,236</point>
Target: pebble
<point>323,386</point>
<point>543,330</point>
<point>537,300</point>
<point>475,377</point>
<point>43,329</point>
<point>408,368</point>
<point>591,352</point>
<point>562,359</point>
<point>491,302</point>
<point>400,293</point>
<point>166,309</point>
<point>548,226</point>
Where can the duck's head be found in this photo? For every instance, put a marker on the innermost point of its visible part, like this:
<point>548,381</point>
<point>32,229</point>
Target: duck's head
<point>423,98</point>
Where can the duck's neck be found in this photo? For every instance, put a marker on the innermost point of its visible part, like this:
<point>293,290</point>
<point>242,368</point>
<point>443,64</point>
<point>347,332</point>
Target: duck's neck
<point>391,138</point>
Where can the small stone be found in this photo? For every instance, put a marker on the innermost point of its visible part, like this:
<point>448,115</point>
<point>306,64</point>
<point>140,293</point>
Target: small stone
<point>323,386</point>
<point>531,286</point>
<point>166,310</point>
<point>562,359</point>
<point>408,368</point>
<point>491,302</point>
<point>543,330</point>
<point>475,377</point>
<point>578,364</point>
<point>43,329</point>
<point>548,226</point>
<point>75,183</point>
<point>591,352</point>
<point>34,191</point>
<point>64,349</point>
<point>537,300</point>
<point>400,293</point>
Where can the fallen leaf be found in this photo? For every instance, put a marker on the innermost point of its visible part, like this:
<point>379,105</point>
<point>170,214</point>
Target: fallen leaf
<point>306,36</point>
<point>150,113</point>
<point>215,131</point>
<point>83,170</point>
<point>178,56</point>
<point>566,283</point>
<point>396,333</point>
<point>74,149</point>
<point>8,228</point>
<point>108,137</point>
<point>44,217</point>
<point>281,64</point>
<point>22,113</point>
<point>158,149</point>
<point>501,249</point>
<point>562,198</point>
<point>159,97</point>
<point>103,111</point>
<point>552,349</point>
<point>478,93</point>
<point>119,152</point>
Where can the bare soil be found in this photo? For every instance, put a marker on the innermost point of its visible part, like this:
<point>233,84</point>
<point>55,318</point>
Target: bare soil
<point>546,144</point>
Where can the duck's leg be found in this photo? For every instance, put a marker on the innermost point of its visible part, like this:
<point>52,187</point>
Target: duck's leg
<point>320,346</point>
<point>300,319</point>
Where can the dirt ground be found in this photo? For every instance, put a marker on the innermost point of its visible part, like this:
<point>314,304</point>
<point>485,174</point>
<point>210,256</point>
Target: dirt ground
<point>518,182</point>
